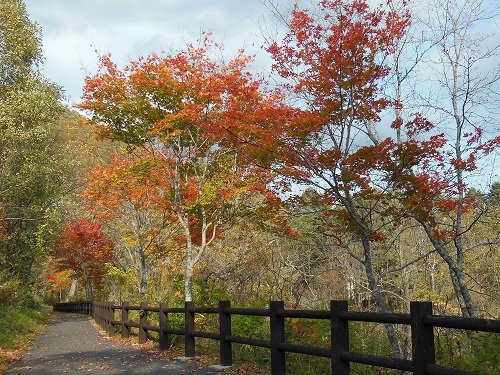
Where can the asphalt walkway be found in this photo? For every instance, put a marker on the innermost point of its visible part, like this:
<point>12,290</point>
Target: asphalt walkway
<point>71,345</point>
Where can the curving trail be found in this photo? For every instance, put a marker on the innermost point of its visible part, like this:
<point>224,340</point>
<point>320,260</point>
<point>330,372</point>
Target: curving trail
<point>71,345</point>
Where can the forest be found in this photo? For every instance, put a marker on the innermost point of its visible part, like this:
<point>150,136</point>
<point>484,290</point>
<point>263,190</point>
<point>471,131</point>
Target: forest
<point>363,168</point>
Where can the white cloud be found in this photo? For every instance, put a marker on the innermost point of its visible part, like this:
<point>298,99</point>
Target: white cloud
<point>73,30</point>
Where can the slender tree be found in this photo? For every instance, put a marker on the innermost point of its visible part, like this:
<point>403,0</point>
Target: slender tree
<point>464,103</point>
<point>176,108</point>
<point>33,160</point>
<point>127,196</point>
<point>334,64</point>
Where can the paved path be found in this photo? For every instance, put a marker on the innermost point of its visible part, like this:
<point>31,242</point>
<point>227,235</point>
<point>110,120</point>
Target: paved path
<point>71,345</point>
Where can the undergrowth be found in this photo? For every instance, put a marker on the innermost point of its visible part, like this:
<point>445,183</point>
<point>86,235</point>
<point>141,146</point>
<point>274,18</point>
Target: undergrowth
<point>18,327</point>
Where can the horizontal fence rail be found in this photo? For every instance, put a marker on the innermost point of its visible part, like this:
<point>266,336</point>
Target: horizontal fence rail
<point>81,307</point>
<point>420,319</point>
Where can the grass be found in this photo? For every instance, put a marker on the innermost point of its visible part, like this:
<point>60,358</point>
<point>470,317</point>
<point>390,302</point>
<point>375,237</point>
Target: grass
<point>18,328</point>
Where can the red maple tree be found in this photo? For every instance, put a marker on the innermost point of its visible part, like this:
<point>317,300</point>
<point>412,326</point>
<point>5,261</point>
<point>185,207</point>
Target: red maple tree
<point>333,63</point>
<point>82,247</point>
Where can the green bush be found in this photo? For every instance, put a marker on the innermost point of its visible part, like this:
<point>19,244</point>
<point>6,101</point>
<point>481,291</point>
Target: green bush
<point>13,293</point>
<point>473,351</point>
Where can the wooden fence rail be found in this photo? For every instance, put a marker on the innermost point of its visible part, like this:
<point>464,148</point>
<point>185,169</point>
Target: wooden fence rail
<point>420,319</point>
<point>81,307</point>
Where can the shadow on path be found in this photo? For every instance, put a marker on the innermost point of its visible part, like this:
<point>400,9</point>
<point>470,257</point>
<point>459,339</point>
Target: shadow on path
<point>71,345</point>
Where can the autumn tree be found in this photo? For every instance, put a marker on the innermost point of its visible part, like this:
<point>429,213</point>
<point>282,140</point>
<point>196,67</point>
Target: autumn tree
<point>127,196</point>
<point>59,282</point>
<point>82,247</point>
<point>35,166</point>
<point>462,101</point>
<point>176,107</point>
<point>19,43</point>
<point>469,108</point>
<point>333,62</point>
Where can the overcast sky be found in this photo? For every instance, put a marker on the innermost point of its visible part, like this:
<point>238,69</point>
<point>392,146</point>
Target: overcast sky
<point>74,30</point>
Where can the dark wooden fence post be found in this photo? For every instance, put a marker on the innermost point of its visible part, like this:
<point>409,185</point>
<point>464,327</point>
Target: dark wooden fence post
<point>226,350</point>
<point>111,318</point>
<point>104,324</point>
<point>97,314</point>
<point>164,339</point>
<point>101,317</point>
<point>143,336</point>
<point>105,316</point>
<point>277,322</point>
<point>189,343</point>
<point>125,328</point>
<point>101,322</point>
<point>422,337</point>
<point>339,337</point>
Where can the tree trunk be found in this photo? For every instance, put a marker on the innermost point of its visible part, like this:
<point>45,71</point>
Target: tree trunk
<point>72,289</point>
<point>88,291</point>
<point>379,298</point>
<point>188,267</point>
<point>467,305</point>
<point>404,292</point>
<point>457,274</point>
<point>143,284</point>
<point>188,283</point>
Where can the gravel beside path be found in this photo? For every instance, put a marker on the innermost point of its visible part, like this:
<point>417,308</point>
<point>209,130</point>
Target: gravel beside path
<point>71,345</point>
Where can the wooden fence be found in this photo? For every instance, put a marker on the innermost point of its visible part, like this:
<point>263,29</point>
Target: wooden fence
<point>81,307</point>
<point>420,318</point>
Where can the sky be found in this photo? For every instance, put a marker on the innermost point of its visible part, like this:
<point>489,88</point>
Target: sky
<point>75,32</point>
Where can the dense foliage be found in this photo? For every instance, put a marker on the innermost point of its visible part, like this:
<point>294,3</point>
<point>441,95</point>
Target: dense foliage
<point>32,160</point>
